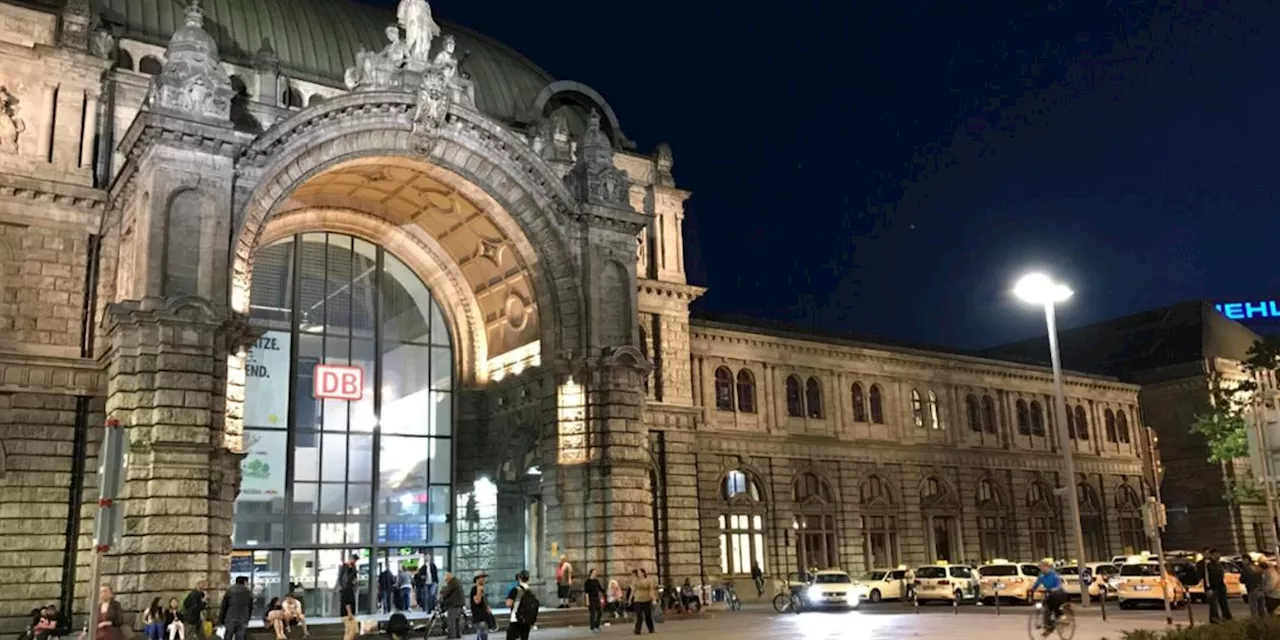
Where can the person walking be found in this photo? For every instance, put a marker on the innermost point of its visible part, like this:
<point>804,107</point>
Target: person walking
<point>193,608</point>
<point>433,582</point>
<point>386,589</point>
<point>564,582</point>
<point>1270,586</point>
<point>1215,586</point>
<point>452,600</point>
<point>595,597</point>
<point>404,586</point>
<point>420,586</point>
<point>348,578</point>
<point>237,610</point>
<point>481,616</point>
<point>110,616</point>
<point>757,576</point>
<point>644,591</point>
<point>519,626</point>
<point>1251,578</point>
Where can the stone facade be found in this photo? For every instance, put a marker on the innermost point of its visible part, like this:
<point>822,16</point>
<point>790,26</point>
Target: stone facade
<point>140,178</point>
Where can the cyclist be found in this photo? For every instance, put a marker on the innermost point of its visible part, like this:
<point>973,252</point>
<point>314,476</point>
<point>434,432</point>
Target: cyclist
<point>1054,595</point>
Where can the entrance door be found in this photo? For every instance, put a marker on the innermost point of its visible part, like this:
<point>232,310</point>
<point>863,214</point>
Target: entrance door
<point>944,538</point>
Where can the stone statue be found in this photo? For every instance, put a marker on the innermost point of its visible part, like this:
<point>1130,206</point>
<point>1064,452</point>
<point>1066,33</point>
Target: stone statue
<point>663,161</point>
<point>11,123</point>
<point>419,28</point>
<point>377,70</point>
<point>461,89</point>
<point>445,60</point>
<point>433,106</point>
<point>102,44</point>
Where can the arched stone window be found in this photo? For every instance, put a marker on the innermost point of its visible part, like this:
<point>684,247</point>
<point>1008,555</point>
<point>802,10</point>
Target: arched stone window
<point>1037,419</point>
<point>1042,525</point>
<point>879,522</point>
<point>149,65</point>
<point>1023,418</point>
<point>993,534</point>
<point>1092,524</point>
<point>941,510</point>
<point>291,98</point>
<point>973,412</point>
<point>1109,421</point>
<point>859,404</point>
<point>814,522</point>
<point>795,399</point>
<point>746,391</point>
<point>813,398</point>
<point>741,524</point>
<point>124,59</point>
<point>917,409</point>
<point>876,400</point>
<point>988,414</point>
<point>724,389</point>
<point>1129,520</point>
<point>935,418</point>
<point>1081,423</point>
<point>1122,426</point>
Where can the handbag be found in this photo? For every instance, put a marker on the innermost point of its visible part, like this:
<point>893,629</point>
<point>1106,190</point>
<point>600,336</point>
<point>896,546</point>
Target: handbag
<point>657,614</point>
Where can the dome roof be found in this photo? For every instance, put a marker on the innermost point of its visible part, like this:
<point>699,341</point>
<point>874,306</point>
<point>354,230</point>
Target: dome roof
<point>317,40</point>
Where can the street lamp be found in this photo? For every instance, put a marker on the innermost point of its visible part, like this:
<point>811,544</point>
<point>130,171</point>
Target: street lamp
<point>1038,288</point>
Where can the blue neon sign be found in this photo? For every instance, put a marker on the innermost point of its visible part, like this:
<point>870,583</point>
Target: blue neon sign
<point>1249,310</point>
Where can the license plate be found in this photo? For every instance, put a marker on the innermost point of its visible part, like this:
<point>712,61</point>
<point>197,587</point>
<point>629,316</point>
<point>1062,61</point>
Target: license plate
<point>1142,587</point>
<point>1001,585</point>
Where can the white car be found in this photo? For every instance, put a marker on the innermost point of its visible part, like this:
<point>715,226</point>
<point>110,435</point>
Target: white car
<point>1103,572</point>
<point>882,584</point>
<point>941,581</point>
<point>833,589</point>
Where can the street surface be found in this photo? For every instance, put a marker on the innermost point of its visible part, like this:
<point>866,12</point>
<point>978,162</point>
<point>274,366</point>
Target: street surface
<point>886,621</point>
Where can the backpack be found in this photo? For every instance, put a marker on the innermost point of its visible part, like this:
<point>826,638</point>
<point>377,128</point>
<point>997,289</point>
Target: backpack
<point>527,609</point>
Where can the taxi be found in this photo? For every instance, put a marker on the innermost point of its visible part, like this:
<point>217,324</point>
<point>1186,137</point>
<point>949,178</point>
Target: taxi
<point>1102,572</point>
<point>882,584</point>
<point>1139,582</point>
<point>1191,576</point>
<point>832,588</point>
<point>946,582</point>
<point>1006,580</point>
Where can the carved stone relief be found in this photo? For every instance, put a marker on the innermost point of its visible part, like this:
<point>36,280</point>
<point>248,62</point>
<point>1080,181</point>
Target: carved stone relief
<point>192,80</point>
<point>11,123</point>
<point>595,179</point>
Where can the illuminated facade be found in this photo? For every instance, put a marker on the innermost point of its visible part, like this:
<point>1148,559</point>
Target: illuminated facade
<point>351,295</point>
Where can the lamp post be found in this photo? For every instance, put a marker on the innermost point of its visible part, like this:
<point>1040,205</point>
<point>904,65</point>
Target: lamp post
<point>1037,288</point>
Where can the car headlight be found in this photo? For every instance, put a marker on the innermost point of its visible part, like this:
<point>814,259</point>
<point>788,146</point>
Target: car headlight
<point>854,601</point>
<point>815,593</point>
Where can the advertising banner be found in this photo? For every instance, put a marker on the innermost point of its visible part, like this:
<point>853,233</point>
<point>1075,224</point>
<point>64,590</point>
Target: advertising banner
<point>262,469</point>
<point>266,392</point>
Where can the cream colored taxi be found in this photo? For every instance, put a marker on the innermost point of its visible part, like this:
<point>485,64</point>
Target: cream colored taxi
<point>882,584</point>
<point>1195,586</point>
<point>945,582</point>
<point>833,589</point>
<point>1140,582</point>
<point>1006,580</point>
<point>1102,573</point>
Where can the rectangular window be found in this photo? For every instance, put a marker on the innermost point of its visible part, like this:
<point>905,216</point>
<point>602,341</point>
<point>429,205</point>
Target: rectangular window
<point>741,543</point>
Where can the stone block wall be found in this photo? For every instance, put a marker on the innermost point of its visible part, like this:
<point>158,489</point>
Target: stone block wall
<point>42,288</point>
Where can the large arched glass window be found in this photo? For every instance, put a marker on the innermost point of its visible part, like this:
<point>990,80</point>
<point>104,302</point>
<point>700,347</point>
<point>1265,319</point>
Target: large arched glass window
<point>724,389</point>
<point>879,507</point>
<point>1023,417</point>
<point>746,391</point>
<point>795,399</point>
<point>935,418</point>
<point>988,414</point>
<point>1122,426</point>
<point>859,404</point>
<point>1109,418</point>
<point>1081,423</point>
<point>1037,419</point>
<point>974,414</point>
<point>1129,520</point>
<point>876,400</point>
<point>813,398</point>
<point>348,412</point>
<point>741,524</point>
<point>814,522</point>
<point>993,533</point>
<point>917,408</point>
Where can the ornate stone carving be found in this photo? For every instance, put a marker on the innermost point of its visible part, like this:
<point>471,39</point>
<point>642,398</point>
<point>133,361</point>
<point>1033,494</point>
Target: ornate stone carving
<point>433,106</point>
<point>595,179</point>
<point>103,45</point>
<point>419,28</point>
<point>550,140</point>
<point>77,21</point>
<point>461,90</point>
<point>379,71</point>
<point>11,123</point>
<point>192,81</point>
<point>662,164</point>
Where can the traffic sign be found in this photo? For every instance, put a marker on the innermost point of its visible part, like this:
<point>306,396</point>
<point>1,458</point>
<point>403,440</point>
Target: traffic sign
<point>1086,576</point>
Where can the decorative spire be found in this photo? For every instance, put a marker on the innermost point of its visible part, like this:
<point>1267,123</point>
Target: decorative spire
<point>77,22</point>
<point>662,163</point>
<point>195,15</point>
<point>594,179</point>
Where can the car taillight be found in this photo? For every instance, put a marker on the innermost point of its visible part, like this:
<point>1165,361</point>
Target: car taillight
<point>915,582</point>
<point>943,583</point>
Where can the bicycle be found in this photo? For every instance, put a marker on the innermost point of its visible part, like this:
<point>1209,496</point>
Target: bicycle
<point>438,615</point>
<point>788,600</point>
<point>1064,624</point>
<point>731,597</point>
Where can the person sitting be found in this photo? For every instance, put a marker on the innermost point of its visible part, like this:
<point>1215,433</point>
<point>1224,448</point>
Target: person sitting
<point>291,607</point>
<point>398,627</point>
<point>274,619</point>
<point>689,597</point>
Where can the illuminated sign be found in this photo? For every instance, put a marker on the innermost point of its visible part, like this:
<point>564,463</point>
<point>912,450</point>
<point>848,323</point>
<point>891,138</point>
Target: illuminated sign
<point>1249,310</point>
<point>337,382</point>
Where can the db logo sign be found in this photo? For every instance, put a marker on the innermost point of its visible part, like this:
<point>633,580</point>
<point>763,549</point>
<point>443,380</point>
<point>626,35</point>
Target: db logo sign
<point>336,382</point>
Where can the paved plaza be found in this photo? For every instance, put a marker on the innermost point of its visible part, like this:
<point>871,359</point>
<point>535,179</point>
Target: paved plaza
<point>886,622</point>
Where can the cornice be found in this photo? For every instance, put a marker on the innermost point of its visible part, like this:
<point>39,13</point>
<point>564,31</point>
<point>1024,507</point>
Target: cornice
<point>907,358</point>
<point>86,199</point>
<point>677,291</point>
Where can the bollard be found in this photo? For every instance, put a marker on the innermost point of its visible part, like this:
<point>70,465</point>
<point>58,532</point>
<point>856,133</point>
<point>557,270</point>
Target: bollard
<point>915,601</point>
<point>1102,601</point>
<point>997,601</point>
<point>1191,616</point>
<point>955,605</point>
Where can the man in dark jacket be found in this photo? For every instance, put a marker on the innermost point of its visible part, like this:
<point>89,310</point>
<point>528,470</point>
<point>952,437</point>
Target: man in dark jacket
<point>193,607</point>
<point>1251,578</point>
<point>348,579</point>
<point>237,610</point>
<point>452,600</point>
<point>1215,586</point>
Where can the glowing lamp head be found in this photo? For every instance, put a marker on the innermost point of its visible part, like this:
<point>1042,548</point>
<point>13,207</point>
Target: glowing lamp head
<point>1038,288</point>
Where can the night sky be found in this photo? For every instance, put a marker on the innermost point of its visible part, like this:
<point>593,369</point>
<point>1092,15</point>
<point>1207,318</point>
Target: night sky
<point>888,168</point>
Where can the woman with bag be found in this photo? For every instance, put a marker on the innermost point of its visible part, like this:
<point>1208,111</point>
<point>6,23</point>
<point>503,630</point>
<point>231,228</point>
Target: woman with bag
<point>110,616</point>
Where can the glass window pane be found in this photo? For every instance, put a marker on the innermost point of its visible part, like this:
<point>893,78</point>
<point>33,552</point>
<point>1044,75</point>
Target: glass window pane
<point>405,398</point>
<point>271,297</point>
<point>405,303</point>
<point>441,460</point>
<point>441,413</point>
<point>441,368</point>
<point>757,522</point>
<point>759,542</point>
<point>333,457</point>
<point>403,475</point>
<point>333,499</point>
<point>306,408</point>
<point>306,498</point>
<point>306,458</point>
<point>360,458</point>
<point>724,551</point>
<point>721,518</point>
<point>439,329</point>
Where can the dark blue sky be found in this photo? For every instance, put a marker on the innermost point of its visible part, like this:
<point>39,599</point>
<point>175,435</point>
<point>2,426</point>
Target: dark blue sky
<point>889,168</point>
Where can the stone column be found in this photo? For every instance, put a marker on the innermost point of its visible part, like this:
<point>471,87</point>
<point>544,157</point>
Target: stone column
<point>90,129</point>
<point>166,368</point>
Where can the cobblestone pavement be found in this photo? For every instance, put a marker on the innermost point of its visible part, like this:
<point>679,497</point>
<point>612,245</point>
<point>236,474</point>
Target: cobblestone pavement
<point>883,623</point>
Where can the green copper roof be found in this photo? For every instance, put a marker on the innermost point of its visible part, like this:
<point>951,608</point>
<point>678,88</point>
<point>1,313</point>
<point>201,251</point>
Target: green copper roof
<point>317,40</point>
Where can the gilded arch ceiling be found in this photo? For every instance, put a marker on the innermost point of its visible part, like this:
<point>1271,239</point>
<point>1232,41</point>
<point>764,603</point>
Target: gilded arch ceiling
<point>403,192</point>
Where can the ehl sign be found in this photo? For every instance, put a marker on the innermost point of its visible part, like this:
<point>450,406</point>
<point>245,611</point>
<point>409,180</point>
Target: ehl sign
<point>336,382</point>
<point>1249,310</point>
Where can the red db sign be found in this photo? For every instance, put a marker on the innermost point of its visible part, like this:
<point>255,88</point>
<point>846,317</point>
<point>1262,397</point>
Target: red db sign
<point>337,382</point>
